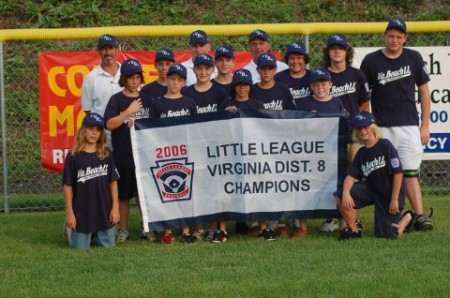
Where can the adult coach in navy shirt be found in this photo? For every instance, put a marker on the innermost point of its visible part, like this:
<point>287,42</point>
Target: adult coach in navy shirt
<point>393,73</point>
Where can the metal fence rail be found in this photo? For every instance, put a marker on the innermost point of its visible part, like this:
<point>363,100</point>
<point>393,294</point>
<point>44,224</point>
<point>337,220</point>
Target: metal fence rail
<point>26,186</point>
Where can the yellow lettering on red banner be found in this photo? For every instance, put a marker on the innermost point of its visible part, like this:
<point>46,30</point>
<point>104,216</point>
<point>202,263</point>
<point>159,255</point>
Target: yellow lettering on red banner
<point>71,73</point>
<point>64,119</point>
<point>52,73</point>
<point>150,73</point>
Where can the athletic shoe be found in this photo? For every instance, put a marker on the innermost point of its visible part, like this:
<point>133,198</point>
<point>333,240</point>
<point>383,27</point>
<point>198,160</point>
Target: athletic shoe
<point>299,233</point>
<point>150,236</point>
<point>188,239</point>
<point>350,234</point>
<point>219,237</point>
<point>329,225</point>
<point>283,232</point>
<point>267,234</point>
<point>409,227</point>
<point>209,236</point>
<point>359,225</point>
<point>423,223</point>
<point>199,235</point>
<point>167,239</point>
<point>122,236</point>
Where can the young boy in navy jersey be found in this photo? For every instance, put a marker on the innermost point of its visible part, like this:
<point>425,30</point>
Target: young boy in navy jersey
<point>207,96</point>
<point>90,187</point>
<point>297,77</point>
<point>174,104</point>
<point>350,85</point>
<point>241,93</point>
<point>122,109</point>
<point>273,94</point>
<point>163,60</point>
<point>224,61</point>
<point>393,74</point>
<point>375,178</point>
<point>321,101</point>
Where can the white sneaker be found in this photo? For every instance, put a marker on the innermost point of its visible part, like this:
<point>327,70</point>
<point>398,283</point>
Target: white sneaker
<point>329,225</point>
<point>122,236</point>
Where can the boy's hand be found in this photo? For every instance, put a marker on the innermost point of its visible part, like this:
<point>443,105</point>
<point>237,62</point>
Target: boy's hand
<point>231,108</point>
<point>114,216</point>
<point>71,221</point>
<point>393,207</point>
<point>135,106</point>
<point>347,202</point>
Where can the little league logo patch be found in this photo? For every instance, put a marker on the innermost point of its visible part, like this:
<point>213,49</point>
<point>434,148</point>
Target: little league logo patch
<point>173,179</point>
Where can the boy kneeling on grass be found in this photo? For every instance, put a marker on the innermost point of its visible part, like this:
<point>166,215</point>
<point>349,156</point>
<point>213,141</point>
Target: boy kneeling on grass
<point>375,178</point>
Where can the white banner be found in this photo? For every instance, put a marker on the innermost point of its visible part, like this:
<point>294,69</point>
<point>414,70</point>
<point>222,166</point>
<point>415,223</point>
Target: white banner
<point>230,166</point>
<point>438,63</point>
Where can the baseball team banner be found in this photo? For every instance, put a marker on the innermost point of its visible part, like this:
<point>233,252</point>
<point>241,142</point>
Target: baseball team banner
<point>243,166</point>
<point>61,76</point>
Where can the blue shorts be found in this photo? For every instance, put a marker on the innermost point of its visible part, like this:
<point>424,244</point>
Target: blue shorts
<point>105,239</point>
<point>363,196</point>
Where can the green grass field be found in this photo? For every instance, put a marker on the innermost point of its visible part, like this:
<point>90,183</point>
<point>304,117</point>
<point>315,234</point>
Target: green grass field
<point>36,262</point>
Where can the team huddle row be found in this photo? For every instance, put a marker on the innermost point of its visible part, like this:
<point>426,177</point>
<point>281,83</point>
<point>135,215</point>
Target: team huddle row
<point>114,95</point>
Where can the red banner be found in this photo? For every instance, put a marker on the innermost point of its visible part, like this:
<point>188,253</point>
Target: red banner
<point>60,78</point>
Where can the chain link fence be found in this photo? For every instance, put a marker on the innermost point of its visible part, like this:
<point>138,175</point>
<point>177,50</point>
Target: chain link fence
<point>29,187</point>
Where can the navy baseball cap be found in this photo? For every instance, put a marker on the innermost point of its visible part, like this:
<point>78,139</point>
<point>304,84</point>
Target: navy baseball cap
<point>130,67</point>
<point>164,53</point>
<point>259,34</point>
<point>320,74</point>
<point>363,119</point>
<point>266,59</point>
<point>225,51</point>
<point>296,47</point>
<point>198,37</point>
<point>242,76</point>
<point>179,69</point>
<point>203,59</point>
<point>92,119</point>
<point>396,24</point>
<point>339,39</point>
<point>106,40</point>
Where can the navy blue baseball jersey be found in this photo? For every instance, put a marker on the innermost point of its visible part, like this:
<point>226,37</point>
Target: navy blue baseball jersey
<point>90,178</point>
<point>377,165</point>
<point>351,87</point>
<point>299,87</point>
<point>276,98</point>
<point>225,87</point>
<point>251,104</point>
<point>393,82</point>
<point>207,101</point>
<point>164,107</point>
<point>154,89</point>
<point>310,104</point>
<point>121,140</point>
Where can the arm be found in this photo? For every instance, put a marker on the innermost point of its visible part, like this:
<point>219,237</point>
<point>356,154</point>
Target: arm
<point>71,221</point>
<point>365,106</point>
<point>115,122</point>
<point>393,206</point>
<point>114,215</point>
<point>347,200</point>
<point>425,106</point>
